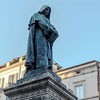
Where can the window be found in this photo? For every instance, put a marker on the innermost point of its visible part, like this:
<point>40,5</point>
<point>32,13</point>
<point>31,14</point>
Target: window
<point>0,83</point>
<point>23,72</point>
<point>3,82</point>
<point>7,98</point>
<point>17,76</point>
<point>11,79</point>
<point>79,91</point>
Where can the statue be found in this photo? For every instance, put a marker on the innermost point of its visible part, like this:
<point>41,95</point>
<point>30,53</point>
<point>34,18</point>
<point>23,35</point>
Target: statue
<point>42,35</point>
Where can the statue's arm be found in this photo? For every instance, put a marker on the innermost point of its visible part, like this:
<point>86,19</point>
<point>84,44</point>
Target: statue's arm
<point>50,31</point>
<point>39,21</point>
<point>29,25</point>
<point>44,25</point>
<point>53,29</point>
<point>35,18</point>
<point>54,35</point>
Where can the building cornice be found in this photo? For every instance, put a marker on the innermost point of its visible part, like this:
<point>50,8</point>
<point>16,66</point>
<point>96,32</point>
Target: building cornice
<point>12,66</point>
<point>77,67</point>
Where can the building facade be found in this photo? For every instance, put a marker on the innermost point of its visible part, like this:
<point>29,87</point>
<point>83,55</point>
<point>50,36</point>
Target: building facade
<point>10,73</point>
<point>82,80</point>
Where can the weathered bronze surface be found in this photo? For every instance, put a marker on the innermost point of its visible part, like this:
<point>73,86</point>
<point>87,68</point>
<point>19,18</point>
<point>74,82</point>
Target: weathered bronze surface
<point>42,35</point>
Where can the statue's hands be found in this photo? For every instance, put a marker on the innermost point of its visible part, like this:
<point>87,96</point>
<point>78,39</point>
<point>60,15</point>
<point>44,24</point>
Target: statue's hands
<point>52,28</point>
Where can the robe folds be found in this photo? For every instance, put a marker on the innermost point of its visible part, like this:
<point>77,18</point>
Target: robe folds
<point>40,41</point>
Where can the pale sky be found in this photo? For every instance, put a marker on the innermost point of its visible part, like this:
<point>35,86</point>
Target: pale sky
<point>77,22</point>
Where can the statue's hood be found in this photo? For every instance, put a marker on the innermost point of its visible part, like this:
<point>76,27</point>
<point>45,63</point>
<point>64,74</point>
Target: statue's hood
<point>43,8</point>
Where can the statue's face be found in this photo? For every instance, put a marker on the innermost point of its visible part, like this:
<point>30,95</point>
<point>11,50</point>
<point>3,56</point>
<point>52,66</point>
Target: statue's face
<point>47,11</point>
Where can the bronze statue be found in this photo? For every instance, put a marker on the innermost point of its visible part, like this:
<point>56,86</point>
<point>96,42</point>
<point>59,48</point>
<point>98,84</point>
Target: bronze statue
<point>42,35</point>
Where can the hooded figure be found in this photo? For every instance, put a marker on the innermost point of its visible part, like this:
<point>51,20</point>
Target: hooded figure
<point>41,38</point>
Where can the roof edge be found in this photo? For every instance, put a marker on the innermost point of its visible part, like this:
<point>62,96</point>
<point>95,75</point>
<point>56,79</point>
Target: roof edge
<point>77,65</point>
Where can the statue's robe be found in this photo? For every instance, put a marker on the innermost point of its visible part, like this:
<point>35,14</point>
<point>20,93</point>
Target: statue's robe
<point>41,38</point>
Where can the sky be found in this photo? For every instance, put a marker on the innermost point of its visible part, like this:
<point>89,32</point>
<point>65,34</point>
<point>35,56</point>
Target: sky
<point>77,22</point>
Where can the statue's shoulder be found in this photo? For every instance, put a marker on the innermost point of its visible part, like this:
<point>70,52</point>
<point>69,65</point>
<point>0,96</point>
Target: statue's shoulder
<point>36,15</point>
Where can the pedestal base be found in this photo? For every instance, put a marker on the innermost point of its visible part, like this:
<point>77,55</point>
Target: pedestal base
<point>39,84</point>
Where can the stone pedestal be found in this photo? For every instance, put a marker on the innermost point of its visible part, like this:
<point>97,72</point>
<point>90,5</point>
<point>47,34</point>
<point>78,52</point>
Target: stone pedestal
<point>39,84</point>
